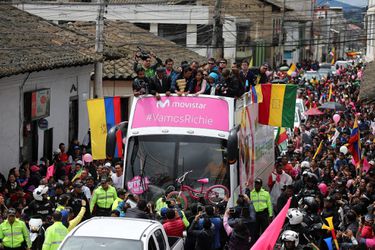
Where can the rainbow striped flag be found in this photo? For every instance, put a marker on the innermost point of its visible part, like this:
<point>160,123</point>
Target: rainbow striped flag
<point>278,106</point>
<point>104,113</point>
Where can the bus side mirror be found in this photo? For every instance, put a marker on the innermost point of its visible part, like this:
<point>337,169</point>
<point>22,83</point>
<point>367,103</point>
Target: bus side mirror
<point>114,136</point>
<point>232,146</point>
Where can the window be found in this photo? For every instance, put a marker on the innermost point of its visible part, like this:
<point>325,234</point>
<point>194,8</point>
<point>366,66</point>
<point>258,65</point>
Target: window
<point>163,158</point>
<point>145,26</point>
<point>204,34</point>
<point>160,238</point>
<point>243,34</point>
<point>173,32</point>
<point>152,244</point>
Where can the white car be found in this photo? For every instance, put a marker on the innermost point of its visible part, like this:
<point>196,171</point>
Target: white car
<point>120,233</point>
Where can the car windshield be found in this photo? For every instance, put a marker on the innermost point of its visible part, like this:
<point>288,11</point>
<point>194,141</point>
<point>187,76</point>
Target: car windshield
<point>163,158</point>
<point>98,243</point>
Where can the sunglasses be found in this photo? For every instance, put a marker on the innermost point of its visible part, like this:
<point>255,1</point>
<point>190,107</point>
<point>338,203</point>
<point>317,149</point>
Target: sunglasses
<point>211,63</point>
<point>223,62</point>
<point>205,75</point>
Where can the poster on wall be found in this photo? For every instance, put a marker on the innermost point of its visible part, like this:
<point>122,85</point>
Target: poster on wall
<point>40,104</point>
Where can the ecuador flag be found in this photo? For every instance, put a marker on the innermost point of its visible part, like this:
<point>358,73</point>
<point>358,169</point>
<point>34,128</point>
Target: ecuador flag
<point>278,106</point>
<point>104,113</point>
<point>281,136</point>
<point>355,144</point>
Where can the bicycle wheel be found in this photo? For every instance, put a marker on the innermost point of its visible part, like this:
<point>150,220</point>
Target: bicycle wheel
<point>216,194</point>
<point>179,197</point>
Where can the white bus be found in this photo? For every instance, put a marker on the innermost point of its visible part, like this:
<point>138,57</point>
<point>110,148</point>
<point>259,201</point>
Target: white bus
<point>169,137</point>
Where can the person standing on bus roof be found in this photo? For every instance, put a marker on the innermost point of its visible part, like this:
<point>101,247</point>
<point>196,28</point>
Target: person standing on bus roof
<point>160,83</point>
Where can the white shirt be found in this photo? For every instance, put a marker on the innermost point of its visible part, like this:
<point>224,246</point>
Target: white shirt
<point>117,181</point>
<point>284,179</point>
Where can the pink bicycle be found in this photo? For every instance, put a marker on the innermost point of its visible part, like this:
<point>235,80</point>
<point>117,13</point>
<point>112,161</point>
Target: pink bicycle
<point>214,195</point>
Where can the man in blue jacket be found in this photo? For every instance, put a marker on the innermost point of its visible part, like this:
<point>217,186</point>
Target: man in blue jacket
<point>218,223</point>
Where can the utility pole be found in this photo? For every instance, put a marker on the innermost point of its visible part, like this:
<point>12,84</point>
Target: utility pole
<point>217,36</point>
<point>98,90</point>
<point>281,35</point>
<point>312,29</point>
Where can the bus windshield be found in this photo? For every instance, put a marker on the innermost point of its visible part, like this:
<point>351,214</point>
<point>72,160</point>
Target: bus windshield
<point>163,158</point>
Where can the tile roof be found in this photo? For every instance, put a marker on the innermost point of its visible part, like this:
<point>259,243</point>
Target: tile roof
<point>127,37</point>
<point>29,43</point>
<point>144,1</point>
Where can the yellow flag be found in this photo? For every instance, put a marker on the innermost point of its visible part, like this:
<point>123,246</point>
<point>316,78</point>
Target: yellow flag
<point>333,56</point>
<point>292,69</point>
<point>251,62</point>
<point>98,128</point>
<point>318,149</point>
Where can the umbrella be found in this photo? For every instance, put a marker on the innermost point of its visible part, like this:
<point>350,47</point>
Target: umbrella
<point>314,111</point>
<point>332,105</point>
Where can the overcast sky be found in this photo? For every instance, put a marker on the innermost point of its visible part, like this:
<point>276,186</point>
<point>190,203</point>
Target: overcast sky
<point>355,2</point>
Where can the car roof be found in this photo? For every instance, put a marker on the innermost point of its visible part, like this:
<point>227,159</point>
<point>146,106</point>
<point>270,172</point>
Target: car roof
<point>112,227</point>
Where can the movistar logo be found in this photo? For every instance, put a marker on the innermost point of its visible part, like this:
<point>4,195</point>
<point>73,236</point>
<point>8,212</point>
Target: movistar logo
<point>161,104</point>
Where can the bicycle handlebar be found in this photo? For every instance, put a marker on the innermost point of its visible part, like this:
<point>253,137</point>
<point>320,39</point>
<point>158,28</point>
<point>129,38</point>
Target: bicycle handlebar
<point>182,178</point>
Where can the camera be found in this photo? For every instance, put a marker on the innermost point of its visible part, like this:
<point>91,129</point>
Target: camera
<point>142,53</point>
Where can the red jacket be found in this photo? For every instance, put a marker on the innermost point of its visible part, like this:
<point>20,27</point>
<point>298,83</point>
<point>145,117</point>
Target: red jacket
<point>174,227</point>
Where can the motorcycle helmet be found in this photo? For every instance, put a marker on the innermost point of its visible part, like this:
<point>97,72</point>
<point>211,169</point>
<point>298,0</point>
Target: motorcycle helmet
<point>305,165</point>
<point>295,216</point>
<point>39,192</point>
<point>63,199</point>
<point>289,235</point>
<point>35,224</point>
<point>310,204</point>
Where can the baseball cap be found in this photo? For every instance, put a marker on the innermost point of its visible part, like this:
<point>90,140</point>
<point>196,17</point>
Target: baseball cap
<point>11,211</point>
<point>78,184</point>
<point>34,168</point>
<point>369,217</point>
<point>258,180</point>
<point>108,165</point>
<point>160,70</point>
<point>103,180</point>
<point>266,65</point>
<point>76,147</point>
<point>79,162</point>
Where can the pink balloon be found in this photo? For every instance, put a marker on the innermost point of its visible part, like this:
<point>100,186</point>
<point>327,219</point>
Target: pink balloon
<point>87,158</point>
<point>323,189</point>
<point>336,118</point>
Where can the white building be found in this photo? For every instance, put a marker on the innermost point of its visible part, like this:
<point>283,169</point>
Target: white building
<point>370,26</point>
<point>44,84</point>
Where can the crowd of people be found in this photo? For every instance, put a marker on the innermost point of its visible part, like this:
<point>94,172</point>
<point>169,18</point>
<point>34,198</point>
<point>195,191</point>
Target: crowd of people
<point>321,178</point>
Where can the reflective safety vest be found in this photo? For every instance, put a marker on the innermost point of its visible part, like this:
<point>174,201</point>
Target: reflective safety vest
<point>103,198</point>
<point>13,235</point>
<point>261,201</point>
<point>55,234</point>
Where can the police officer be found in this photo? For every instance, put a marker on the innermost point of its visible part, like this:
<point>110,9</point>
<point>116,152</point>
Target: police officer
<point>103,198</point>
<point>13,233</point>
<point>75,201</point>
<point>263,207</point>
<point>40,206</point>
<point>55,234</point>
